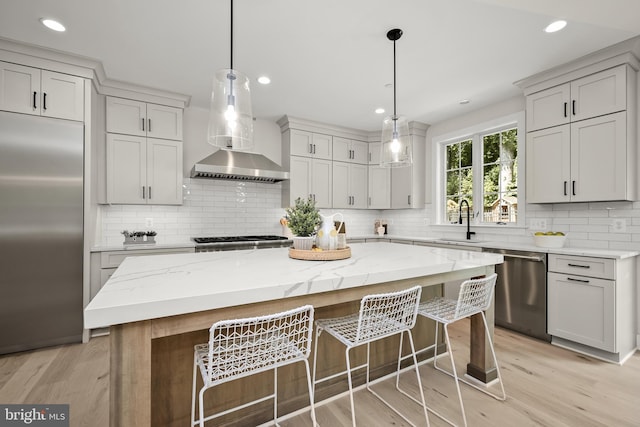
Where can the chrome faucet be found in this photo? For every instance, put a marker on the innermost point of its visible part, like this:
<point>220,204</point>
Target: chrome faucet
<point>469,232</point>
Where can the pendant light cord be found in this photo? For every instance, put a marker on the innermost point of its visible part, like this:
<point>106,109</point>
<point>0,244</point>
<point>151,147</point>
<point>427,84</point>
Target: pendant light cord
<point>231,47</point>
<point>394,79</point>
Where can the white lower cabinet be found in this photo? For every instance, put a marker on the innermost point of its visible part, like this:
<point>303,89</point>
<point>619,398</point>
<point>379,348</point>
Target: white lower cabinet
<point>590,305</point>
<point>104,264</point>
<point>143,170</point>
<point>582,309</point>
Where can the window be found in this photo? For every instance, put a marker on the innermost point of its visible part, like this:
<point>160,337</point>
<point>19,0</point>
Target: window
<point>481,167</point>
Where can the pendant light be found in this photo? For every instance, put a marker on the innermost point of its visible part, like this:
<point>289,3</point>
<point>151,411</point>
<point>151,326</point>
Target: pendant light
<point>395,147</point>
<point>230,116</point>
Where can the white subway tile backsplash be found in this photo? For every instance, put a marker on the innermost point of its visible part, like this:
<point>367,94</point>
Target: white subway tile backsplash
<point>236,208</point>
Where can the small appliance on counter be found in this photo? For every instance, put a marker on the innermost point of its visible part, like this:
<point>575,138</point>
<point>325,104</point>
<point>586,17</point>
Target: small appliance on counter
<point>380,227</point>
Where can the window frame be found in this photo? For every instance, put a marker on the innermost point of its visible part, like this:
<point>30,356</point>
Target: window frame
<point>475,133</point>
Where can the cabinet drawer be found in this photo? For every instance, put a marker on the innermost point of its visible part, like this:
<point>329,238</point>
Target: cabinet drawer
<point>115,258</point>
<point>603,268</point>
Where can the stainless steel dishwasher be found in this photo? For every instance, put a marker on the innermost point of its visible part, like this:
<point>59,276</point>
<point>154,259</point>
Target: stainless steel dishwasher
<point>521,292</point>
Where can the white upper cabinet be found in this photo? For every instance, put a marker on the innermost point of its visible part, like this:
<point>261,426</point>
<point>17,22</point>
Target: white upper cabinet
<point>309,144</point>
<point>350,151</point>
<point>379,187</point>
<point>130,117</point>
<point>310,178</point>
<point>349,185</point>
<point>30,90</point>
<point>591,96</point>
<point>581,144</point>
<point>143,170</point>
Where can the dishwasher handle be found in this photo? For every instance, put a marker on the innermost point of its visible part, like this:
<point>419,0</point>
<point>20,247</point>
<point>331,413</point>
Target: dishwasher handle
<point>527,257</point>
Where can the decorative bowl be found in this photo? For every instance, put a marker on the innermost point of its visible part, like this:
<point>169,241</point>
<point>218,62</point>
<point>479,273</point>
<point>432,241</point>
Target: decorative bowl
<point>549,241</point>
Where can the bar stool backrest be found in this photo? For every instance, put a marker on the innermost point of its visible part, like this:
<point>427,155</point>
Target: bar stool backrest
<point>475,296</point>
<point>386,314</point>
<point>246,346</point>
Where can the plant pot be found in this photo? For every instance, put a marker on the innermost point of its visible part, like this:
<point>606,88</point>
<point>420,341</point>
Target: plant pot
<point>303,243</point>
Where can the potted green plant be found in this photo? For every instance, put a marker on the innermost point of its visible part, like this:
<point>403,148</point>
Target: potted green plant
<point>303,220</point>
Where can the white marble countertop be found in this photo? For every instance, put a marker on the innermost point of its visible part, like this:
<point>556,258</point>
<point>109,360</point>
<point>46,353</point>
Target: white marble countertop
<point>592,252</point>
<point>165,285</point>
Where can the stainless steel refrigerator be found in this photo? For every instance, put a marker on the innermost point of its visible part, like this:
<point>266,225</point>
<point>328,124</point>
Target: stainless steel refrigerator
<point>41,231</point>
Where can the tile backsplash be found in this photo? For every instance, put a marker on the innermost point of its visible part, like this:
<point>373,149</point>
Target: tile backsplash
<point>213,208</point>
<point>225,208</point>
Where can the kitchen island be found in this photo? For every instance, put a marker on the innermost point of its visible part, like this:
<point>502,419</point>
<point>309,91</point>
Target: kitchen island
<point>159,307</point>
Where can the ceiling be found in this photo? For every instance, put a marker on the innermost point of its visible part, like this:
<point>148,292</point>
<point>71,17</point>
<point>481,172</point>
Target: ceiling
<point>330,60</point>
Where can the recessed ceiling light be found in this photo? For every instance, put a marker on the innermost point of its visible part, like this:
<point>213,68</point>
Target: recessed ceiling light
<point>379,110</point>
<point>464,101</point>
<point>52,24</point>
<point>555,26</point>
<point>264,80</point>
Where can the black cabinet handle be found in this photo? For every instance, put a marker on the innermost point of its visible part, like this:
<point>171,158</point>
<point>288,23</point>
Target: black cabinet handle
<point>149,130</point>
<point>34,100</point>
<point>573,188</point>
<point>565,109</point>
<point>577,280</point>
<point>578,265</point>
<point>149,192</point>
<point>573,107</point>
<point>565,188</point>
<point>142,125</point>
<point>143,192</point>
<point>44,101</point>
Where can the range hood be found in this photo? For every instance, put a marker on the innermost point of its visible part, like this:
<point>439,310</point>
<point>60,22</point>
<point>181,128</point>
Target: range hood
<point>238,165</point>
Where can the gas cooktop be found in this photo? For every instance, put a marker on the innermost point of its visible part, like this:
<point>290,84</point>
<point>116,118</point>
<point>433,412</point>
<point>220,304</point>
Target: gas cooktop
<point>231,239</point>
<point>228,243</point>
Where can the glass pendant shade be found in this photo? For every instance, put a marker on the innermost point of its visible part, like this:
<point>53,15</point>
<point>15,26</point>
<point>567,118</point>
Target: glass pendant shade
<point>395,149</point>
<point>230,115</point>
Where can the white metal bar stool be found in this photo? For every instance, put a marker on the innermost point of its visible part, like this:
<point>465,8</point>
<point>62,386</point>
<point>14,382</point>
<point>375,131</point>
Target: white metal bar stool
<point>380,316</point>
<point>243,347</point>
<point>474,298</point>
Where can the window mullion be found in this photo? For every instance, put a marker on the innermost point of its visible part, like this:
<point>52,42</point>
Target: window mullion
<point>477,179</point>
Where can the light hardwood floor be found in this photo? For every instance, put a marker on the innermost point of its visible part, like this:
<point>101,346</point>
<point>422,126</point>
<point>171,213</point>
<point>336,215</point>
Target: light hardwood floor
<point>546,386</point>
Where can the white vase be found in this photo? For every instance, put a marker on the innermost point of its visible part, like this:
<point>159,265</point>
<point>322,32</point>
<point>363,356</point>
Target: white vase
<point>303,243</point>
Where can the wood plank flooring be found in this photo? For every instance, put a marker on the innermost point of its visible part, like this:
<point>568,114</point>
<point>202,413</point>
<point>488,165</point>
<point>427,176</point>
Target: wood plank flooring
<point>546,386</point>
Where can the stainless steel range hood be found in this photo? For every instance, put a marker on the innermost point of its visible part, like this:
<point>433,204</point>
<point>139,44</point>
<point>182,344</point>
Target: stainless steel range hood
<point>238,165</point>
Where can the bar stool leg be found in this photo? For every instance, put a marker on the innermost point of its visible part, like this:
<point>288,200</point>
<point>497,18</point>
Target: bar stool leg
<point>353,409</point>
<point>311,397</point>
<point>455,372</point>
<point>193,391</point>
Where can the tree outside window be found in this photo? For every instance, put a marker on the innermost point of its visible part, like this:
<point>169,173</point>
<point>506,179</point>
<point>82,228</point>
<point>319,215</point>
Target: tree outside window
<point>496,176</point>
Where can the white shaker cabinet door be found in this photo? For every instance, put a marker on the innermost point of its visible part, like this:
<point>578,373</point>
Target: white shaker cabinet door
<point>548,165</point>
<point>19,88</point>
<point>358,185</point>
<point>321,182</point>
<point>582,309</point>
<point>379,187</point>
<point>164,122</point>
<point>599,159</point>
<point>550,107</point>
<point>62,96</point>
<point>341,193</point>
<point>126,169</point>
<point>299,178</point>
<point>164,172</point>
<point>126,116</point>
<point>401,187</point>
<point>598,94</point>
